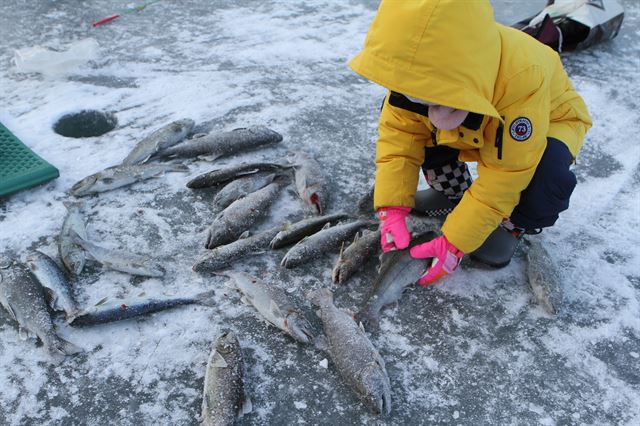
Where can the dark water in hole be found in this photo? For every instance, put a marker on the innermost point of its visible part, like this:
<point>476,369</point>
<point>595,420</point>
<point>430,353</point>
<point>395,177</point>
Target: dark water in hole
<point>85,124</point>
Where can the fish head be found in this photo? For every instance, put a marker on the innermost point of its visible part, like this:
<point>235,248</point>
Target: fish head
<point>82,187</point>
<point>227,343</point>
<point>375,391</point>
<point>299,328</point>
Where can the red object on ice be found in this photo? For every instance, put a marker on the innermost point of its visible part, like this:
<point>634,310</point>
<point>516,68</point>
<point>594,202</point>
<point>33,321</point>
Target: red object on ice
<point>105,20</point>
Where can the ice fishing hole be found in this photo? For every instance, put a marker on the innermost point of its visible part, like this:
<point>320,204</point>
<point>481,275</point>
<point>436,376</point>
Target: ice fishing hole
<point>85,123</point>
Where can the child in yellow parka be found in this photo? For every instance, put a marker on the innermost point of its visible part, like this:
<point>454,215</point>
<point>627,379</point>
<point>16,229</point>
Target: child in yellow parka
<point>465,88</point>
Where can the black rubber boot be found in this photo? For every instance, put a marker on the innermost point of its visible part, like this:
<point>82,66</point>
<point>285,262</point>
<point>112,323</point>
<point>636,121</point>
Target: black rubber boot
<point>432,203</point>
<point>498,248</point>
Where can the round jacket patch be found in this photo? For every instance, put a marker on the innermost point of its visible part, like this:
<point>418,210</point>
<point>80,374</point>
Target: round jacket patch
<point>521,129</point>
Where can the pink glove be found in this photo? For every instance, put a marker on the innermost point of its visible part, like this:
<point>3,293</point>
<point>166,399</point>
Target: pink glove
<point>393,229</point>
<point>446,258</point>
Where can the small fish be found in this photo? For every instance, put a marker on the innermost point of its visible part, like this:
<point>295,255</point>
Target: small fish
<point>55,283</point>
<point>119,260</point>
<point>72,255</point>
<point>23,298</point>
<point>321,242</point>
<point>356,256</point>
<point>220,176</point>
<point>353,354</point>
<point>119,310</point>
<point>123,175</point>
<point>223,256</point>
<point>274,305</point>
<point>241,187</point>
<point>218,145</point>
<point>544,277</point>
<point>224,398</point>
<point>297,231</point>
<point>159,140</point>
<point>241,215</point>
<point>311,182</point>
<point>397,271</point>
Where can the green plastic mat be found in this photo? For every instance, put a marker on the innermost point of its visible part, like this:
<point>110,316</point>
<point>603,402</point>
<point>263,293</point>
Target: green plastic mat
<point>21,168</point>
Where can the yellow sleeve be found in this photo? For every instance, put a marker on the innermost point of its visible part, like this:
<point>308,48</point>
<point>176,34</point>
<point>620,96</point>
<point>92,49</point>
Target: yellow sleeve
<point>399,154</point>
<point>505,169</point>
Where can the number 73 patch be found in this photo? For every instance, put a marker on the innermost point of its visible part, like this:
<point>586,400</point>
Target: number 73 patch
<point>520,129</point>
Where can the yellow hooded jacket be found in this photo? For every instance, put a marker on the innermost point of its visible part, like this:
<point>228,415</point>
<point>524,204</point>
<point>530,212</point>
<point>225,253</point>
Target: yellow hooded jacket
<point>453,53</point>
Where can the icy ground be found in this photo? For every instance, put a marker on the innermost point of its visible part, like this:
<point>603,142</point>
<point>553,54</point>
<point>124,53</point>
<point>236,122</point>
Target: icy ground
<point>472,350</point>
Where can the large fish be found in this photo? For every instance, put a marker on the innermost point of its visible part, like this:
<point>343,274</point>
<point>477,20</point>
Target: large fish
<point>123,175</point>
<point>119,310</point>
<point>397,271</point>
<point>55,283</point>
<point>297,231</point>
<point>23,298</point>
<point>218,145</point>
<point>224,398</point>
<point>356,256</point>
<point>274,305</point>
<point>355,357</point>
<point>544,277</point>
<point>241,187</point>
<point>219,176</point>
<point>320,243</point>
<point>72,255</point>
<point>223,256</point>
<point>241,215</point>
<point>120,260</point>
<point>311,182</point>
<point>159,140</point>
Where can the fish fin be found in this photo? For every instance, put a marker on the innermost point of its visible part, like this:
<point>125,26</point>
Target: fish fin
<point>318,312</point>
<point>368,320</point>
<point>206,298</point>
<point>218,361</point>
<point>342,250</point>
<point>198,136</point>
<point>335,274</point>
<point>246,407</point>
<point>245,300</point>
<point>275,309</point>
<point>68,348</point>
<point>244,235</point>
<point>361,326</point>
<point>8,307</point>
<point>321,343</point>
<point>101,301</point>
<point>70,317</point>
<point>326,226</point>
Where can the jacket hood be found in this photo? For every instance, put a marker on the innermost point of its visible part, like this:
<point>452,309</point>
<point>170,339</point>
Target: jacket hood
<point>443,51</point>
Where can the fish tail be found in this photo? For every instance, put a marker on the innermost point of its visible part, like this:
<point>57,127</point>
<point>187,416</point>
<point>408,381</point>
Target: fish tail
<point>60,348</point>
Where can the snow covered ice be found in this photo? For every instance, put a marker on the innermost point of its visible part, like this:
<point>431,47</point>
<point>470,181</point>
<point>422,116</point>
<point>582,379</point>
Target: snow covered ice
<point>471,350</point>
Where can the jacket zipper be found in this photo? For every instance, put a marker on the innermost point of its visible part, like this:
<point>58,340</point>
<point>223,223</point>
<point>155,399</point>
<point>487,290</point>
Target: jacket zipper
<point>434,134</point>
<point>498,143</point>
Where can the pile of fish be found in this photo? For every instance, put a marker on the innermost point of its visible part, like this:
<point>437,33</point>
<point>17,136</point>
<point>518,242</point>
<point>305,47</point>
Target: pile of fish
<point>245,193</point>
